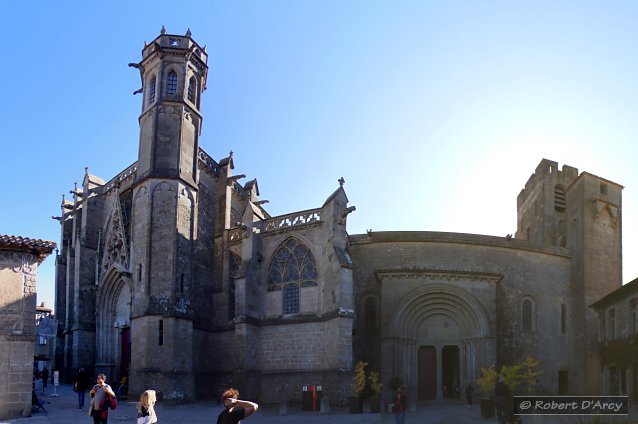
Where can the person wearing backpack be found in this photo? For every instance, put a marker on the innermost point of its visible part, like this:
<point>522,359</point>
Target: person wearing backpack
<point>102,399</point>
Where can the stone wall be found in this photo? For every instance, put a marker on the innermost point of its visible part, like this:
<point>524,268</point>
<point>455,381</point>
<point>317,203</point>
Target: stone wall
<point>19,259</point>
<point>298,354</point>
<point>495,274</point>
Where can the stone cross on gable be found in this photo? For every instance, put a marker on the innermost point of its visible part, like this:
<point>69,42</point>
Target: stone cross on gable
<point>341,181</point>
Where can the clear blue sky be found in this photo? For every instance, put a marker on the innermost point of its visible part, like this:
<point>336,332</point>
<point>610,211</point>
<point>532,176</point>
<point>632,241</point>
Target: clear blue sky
<point>435,113</point>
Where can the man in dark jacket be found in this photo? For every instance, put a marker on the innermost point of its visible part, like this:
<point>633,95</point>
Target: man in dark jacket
<point>80,385</point>
<point>45,379</point>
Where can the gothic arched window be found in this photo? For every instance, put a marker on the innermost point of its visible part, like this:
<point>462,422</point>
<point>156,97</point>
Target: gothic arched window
<point>171,83</point>
<point>192,85</point>
<point>527,315</point>
<point>291,267</point>
<point>151,92</point>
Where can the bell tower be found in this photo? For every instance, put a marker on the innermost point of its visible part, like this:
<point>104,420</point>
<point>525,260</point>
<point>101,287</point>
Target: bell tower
<point>164,222</point>
<point>174,70</point>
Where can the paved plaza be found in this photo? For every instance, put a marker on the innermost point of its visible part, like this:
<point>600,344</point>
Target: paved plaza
<point>63,409</point>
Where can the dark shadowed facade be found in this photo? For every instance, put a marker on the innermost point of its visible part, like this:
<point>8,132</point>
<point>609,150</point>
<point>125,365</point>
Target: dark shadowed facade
<point>173,273</point>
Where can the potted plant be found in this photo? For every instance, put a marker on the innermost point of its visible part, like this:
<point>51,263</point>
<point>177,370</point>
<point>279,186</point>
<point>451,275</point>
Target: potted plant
<point>486,384</point>
<point>358,384</point>
<point>375,386</point>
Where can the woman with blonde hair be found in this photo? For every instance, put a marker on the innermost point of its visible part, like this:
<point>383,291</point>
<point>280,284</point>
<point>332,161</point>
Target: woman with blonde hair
<point>145,409</point>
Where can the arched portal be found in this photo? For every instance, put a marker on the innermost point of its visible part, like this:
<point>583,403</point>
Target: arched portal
<point>441,338</point>
<point>113,323</point>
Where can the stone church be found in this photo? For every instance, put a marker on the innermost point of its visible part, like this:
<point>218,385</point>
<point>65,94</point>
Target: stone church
<point>174,273</point>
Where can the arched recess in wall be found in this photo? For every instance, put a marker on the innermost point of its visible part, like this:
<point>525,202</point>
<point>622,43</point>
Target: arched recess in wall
<point>369,312</point>
<point>234,263</point>
<point>292,263</point>
<point>113,321</point>
<point>528,313</point>
<point>439,299</point>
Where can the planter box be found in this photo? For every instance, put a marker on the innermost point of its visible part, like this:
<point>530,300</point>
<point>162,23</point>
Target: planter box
<point>356,405</point>
<point>375,404</point>
<point>487,408</point>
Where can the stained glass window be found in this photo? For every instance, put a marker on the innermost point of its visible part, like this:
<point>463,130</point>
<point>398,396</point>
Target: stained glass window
<point>171,83</point>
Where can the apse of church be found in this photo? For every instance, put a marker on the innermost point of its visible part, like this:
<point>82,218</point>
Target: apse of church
<point>174,274</point>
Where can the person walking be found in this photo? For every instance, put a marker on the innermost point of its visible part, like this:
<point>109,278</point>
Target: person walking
<point>469,393</point>
<point>45,379</point>
<point>235,409</point>
<point>80,386</point>
<point>400,403</point>
<point>146,408</point>
<point>99,394</point>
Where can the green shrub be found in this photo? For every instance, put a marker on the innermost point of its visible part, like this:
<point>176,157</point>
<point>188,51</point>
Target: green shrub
<point>373,379</point>
<point>359,382</point>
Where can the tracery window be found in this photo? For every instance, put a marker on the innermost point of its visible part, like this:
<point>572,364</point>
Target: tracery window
<point>291,267</point>
<point>527,315</point>
<point>171,83</point>
<point>151,93</point>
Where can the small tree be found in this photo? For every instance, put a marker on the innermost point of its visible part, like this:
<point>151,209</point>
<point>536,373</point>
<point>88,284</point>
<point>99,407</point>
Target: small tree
<point>523,373</point>
<point>487,381</point>
<point>359,382</point>
<point>373,379</point>
<point>530,374</point>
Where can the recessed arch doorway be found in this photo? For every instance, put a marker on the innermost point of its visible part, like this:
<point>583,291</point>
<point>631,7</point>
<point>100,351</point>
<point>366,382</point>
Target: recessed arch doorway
<point>442,338</point>
<point>113,335</point>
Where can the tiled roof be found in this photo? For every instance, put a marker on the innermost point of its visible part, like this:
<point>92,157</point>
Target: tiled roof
<point>42,248</point>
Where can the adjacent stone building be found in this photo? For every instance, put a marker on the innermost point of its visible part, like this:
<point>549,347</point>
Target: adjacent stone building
<point>618,337</point>
<point>19,260</point>
<point>173,273</point>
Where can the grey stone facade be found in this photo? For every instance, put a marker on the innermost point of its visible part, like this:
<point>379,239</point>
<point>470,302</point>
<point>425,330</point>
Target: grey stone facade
<point>174,274</point>
<point>19,260</point>
<point>618,341</point>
